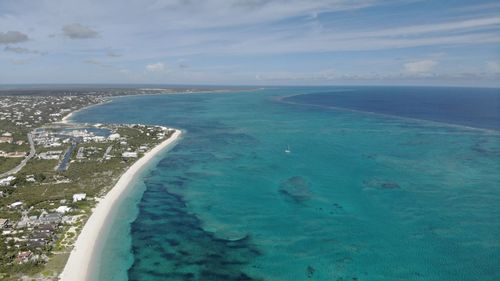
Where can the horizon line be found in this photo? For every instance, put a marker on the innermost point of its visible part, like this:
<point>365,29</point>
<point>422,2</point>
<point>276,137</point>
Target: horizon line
<point>18,85</point>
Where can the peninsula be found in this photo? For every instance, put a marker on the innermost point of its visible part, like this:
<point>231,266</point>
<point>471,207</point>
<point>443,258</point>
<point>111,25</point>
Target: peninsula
<point>61,179</point>
<point>86,247</point>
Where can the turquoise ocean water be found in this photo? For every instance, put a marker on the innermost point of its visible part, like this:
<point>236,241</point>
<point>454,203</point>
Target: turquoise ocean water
<point>361,195</point>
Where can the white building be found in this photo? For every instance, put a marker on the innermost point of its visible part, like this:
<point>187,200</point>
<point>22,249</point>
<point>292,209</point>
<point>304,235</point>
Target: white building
<point>53,144</point>
<point>114,137</point>
<point>129,154</point>
<point>6,181</point>
<point>98,138</point>
<point>50,155</point>
<point>63,209</point>
<point>16,204</point>
<point>79,197</point>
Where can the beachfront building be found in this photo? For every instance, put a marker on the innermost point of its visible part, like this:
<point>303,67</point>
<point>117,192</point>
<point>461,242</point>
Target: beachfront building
<point>79,197</point>
<point>129,154</point>
<point>63,209</point>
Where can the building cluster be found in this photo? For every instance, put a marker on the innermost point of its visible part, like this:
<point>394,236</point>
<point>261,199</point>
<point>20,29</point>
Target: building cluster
<point>33,234</point>
<point>30,229</point>
<point>31,111</point>
<point>50,139</point>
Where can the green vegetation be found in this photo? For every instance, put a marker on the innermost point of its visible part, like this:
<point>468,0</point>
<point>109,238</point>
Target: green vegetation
<point>9,163</point>
<point>18,132</point>
<point>12,147</point>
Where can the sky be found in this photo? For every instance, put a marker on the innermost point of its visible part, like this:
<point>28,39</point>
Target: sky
<point>251,42</point>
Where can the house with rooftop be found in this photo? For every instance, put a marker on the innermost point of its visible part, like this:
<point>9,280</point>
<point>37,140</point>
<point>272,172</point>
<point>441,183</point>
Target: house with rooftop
<point>129,154</point>
<point>63,209</point>
<point>51,218</point>
<point>38,236</point>
<point>15,204</point>
<point>79,197</point>
<point>23,257</point>
<point>114,137</point>
<point>6,181</point>
<point>47,228</point>
<point>4,139</point>
<point>50,155</point>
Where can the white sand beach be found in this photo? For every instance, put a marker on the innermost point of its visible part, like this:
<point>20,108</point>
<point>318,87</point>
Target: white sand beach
<point>66,118</point>
<point>86,246</point>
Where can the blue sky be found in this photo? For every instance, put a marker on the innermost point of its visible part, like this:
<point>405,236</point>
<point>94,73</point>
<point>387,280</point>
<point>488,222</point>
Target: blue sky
<point>252,42</point>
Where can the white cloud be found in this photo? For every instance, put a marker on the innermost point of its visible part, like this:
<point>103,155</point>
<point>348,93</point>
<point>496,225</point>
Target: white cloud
<point>230,13</point>
<point>213,27</point>
<point>19,50</point>
<point>78,31</point>
<point>247,33</point>
<point>96,62</point>
<point>12,37</point>
<point>155,67</point>
<point>420,67</point>
<point>437,27</point>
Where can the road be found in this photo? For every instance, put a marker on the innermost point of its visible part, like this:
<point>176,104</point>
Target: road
<point>25,160</point>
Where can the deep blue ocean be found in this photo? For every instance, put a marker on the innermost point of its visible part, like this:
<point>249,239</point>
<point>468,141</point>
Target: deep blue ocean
<point>381,183</point>
<point>462,106</point>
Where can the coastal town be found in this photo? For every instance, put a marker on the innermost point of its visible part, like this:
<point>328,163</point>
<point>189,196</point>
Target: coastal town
<point>53,173</point>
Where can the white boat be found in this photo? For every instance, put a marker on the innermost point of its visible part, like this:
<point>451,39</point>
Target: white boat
<point>287,150</point>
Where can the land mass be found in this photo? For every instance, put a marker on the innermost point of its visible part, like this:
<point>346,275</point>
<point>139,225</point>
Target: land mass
<point>55,173</point>
<point>79,265</point>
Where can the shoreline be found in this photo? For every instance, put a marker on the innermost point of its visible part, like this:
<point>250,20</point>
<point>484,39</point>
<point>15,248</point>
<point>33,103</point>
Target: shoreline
<point>66,118</point>
<point>83,253</point>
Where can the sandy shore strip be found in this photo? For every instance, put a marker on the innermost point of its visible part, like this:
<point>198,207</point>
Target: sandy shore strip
<point>81,257</point>
<point>66,118</point>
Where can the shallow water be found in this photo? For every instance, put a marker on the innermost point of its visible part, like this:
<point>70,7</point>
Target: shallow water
<point>360,196</point>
